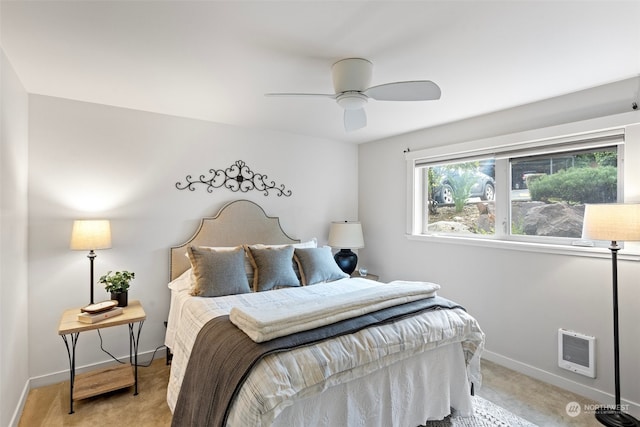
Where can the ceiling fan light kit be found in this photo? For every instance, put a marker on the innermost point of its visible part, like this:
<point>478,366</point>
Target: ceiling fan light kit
<point>352,100</point>
<point>351,82</point>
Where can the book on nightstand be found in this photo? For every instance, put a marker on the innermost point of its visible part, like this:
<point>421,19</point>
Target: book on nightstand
<point>96,317</point>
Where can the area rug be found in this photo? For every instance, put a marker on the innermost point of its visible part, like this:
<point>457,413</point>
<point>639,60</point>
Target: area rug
<point>486,414</point>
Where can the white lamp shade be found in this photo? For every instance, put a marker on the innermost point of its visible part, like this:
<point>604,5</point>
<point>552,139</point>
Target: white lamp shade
<point>346,235</point>
<point>91,234</point>
<point>612,221</point>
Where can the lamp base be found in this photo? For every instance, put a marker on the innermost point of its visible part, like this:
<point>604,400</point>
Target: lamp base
<point>614,418</point>
<point>346,260</point>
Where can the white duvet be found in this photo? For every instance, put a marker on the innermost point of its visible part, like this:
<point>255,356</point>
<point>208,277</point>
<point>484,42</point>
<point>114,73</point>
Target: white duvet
<point>282,379</point>
<point>266,323</point>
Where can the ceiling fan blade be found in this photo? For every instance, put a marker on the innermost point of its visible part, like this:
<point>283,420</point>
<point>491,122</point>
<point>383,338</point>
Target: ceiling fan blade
<point>419,90</point>
<point>303,95</point>
<point>354,119</point>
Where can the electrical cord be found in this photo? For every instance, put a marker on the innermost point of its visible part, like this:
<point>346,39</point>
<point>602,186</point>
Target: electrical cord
<point>153,356</point>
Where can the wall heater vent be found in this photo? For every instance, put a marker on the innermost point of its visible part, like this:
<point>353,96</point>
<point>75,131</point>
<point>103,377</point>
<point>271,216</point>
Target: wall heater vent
<point>576,352</point>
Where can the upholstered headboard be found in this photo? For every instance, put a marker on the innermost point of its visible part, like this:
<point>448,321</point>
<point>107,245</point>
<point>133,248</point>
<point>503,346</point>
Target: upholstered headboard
<point>237,223</point>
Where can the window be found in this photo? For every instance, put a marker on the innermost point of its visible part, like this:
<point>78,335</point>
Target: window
<point>531,191</point>
<point>460,197</point>
<point>549,191</point>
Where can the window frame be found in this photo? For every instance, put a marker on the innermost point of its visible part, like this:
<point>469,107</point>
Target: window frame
<point>503,148</point>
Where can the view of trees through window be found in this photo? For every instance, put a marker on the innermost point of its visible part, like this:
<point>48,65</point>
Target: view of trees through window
<point>547,193</point>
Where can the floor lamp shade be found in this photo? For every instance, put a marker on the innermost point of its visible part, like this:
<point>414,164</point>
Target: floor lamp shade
<point>614,222</point>
<point>346,235</point>
<point>90,235</point>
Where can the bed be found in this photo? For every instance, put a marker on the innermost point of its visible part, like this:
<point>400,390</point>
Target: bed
<point>400,369</point>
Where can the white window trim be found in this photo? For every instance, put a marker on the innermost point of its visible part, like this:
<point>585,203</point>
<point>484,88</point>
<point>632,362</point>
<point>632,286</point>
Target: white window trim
<point>487,147</point>
<point>630,250</point>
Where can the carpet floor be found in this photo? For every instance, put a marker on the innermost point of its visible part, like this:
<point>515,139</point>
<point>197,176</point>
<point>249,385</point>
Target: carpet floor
<point>507,398</point>
<point>486,414</point>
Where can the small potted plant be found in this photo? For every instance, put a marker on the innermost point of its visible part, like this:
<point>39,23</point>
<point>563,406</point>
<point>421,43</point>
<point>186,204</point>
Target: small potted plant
<point>118,284</point>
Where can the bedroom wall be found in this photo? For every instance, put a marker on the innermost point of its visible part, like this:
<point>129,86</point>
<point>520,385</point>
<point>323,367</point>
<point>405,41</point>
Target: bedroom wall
<point>520,298</point>
<point>96,161</point>
<point>14,368</point>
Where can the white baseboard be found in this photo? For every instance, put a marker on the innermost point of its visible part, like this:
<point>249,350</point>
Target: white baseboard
<point>15,419</point>
<point>57,377</point>
<point>558,381</point>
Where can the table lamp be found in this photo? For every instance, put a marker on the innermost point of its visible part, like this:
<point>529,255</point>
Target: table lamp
<point>346,236</point>
<point>90,235</point>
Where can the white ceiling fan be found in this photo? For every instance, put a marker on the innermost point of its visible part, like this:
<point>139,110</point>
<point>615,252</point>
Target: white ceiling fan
<point>351,80</point>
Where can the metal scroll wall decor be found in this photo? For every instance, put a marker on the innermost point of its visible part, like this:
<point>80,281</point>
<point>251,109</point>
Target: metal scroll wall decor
<point>237,177</point>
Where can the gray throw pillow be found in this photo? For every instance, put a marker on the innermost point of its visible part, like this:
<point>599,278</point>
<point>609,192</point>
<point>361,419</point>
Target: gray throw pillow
<point>272,268</point>
<point>317,265</point>
<point>218,273</point>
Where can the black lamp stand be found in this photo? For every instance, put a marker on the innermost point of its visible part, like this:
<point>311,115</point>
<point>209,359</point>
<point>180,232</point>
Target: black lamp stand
<point>346,260</point>
<point>91,256</point>
<point>614,417</point>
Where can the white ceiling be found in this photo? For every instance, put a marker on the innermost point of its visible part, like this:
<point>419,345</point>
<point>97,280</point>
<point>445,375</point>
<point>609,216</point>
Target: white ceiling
<point>215,60</point>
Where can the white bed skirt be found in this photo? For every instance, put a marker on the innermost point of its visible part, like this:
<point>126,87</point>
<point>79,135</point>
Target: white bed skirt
<point>406,394</point>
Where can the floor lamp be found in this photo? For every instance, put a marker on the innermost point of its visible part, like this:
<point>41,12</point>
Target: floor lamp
<point>615,222</point>
<point>89,235</point>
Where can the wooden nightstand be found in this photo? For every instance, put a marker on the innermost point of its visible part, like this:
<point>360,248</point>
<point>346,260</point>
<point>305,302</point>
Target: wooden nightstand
<point>108,379</point>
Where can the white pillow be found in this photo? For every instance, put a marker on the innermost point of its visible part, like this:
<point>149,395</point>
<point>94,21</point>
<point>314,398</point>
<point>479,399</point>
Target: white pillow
<point>313,243</point>
<point>183,282</point>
